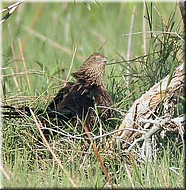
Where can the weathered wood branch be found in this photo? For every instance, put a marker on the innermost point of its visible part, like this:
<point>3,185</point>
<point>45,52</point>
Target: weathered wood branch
<point>155,107</point>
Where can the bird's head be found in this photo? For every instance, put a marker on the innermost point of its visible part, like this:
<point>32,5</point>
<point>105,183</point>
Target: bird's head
<point>92,71</point>
<point>96,59</point>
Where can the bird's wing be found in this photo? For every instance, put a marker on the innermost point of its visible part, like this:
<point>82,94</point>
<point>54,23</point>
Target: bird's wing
<point>61,95</point>
<point>72,100</point>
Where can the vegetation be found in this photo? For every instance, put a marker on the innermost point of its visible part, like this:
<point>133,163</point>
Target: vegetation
<point>54,39</point>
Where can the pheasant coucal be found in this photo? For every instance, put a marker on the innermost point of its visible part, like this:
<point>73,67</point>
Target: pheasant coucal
<point>77,100</point>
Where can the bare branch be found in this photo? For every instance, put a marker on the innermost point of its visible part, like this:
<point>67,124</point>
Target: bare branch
<point>143,115</point>
<point>10,10</point>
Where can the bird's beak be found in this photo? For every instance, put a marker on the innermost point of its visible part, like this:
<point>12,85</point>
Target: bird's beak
<point>110,62</point>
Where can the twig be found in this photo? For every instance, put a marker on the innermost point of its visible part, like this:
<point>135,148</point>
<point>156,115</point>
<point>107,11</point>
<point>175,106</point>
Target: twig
<point>135,141</point>
<point>39,125</point>
<point>116,131</point>
<point>164,178</point>
<point>173,169</point>
<point>144,30</point>
<point>154,32</point>
<point>14,56</point>
<point>98,155</point>
<point>129,47</point>
<point>10,10</point>
<point>129,175</point>
<point>160,122</point>
<point>71,64</point>
<point>157,125</point>
<point>52,42</point>
<point>147,149</point>
<point>147,105</point>
<point>4,172</point>
<point>24,64</point>
<point>64,134</point>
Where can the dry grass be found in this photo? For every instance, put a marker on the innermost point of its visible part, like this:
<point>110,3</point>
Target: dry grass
<point>53,42</point>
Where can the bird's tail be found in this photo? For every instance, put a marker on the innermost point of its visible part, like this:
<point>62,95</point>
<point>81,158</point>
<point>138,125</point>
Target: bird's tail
<point>12,112</point>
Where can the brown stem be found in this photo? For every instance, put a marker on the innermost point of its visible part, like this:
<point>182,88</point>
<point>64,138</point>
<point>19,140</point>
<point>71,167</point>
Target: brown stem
<point>87,130</point>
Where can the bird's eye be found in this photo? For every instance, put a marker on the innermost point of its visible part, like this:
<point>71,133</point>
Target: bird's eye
<point>95,59</point>
<point>105,61</point>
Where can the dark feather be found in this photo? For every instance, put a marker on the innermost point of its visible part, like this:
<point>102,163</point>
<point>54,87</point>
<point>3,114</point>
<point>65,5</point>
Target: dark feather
<point>78,99</point>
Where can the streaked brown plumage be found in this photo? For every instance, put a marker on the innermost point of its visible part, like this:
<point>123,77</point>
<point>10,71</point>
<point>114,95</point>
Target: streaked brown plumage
<point>77,100</point>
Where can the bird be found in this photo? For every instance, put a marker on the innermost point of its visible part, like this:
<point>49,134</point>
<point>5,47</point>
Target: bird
<point>78,100</point>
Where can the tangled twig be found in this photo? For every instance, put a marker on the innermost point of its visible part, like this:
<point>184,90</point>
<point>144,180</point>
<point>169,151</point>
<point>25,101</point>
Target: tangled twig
<point>10,10</point>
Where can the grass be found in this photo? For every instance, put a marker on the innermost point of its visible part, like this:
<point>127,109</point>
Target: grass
<point>54,39</point>
<point>165,171</point>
